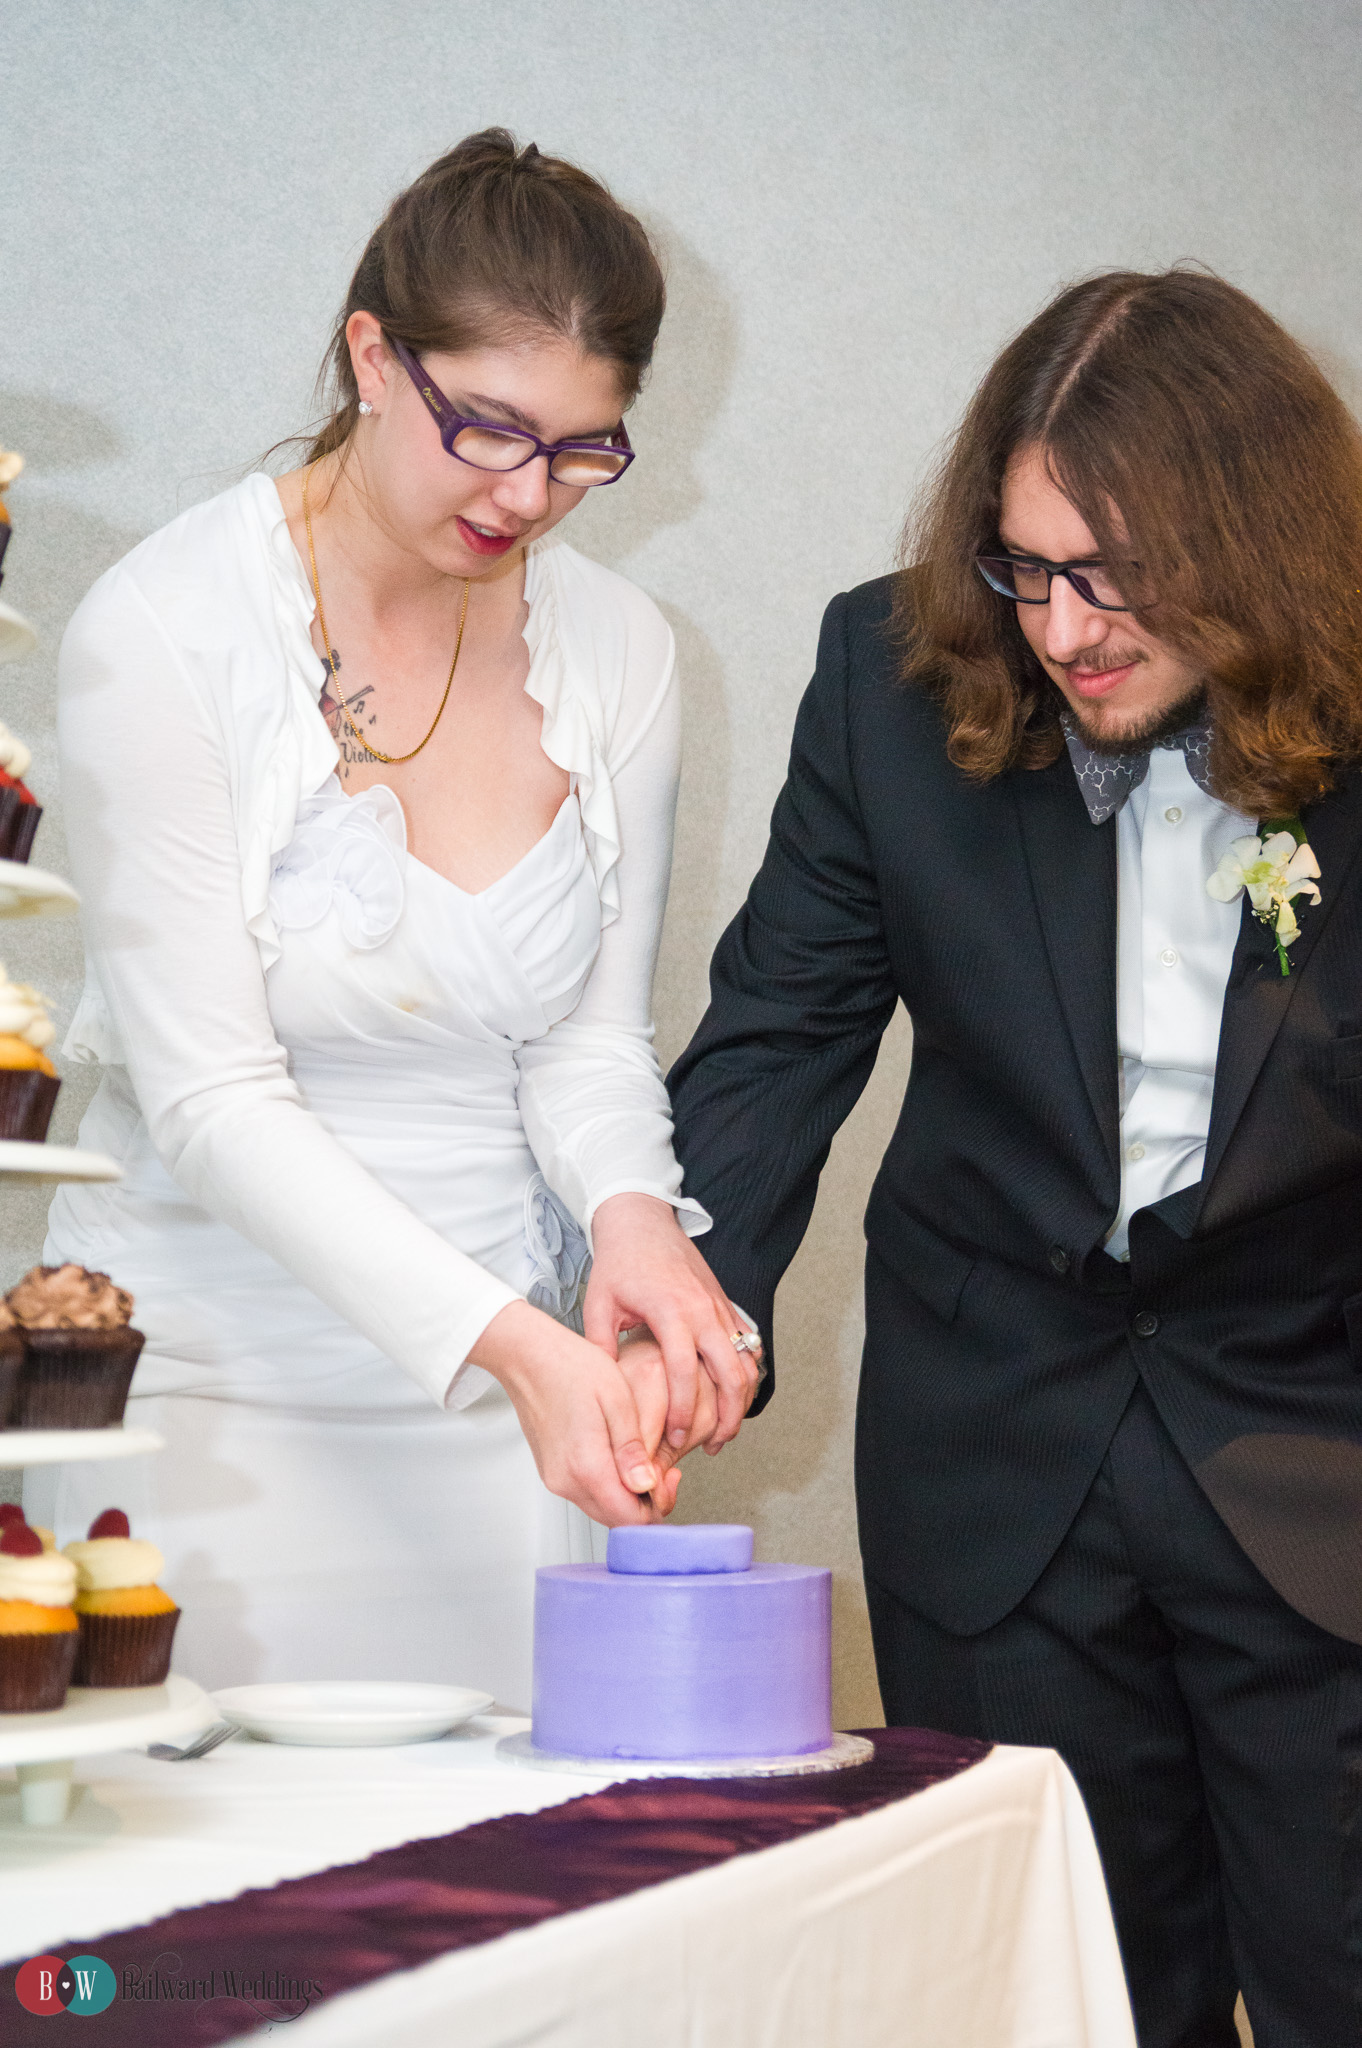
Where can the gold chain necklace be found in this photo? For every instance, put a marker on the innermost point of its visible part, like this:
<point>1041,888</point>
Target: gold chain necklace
<point>330,661</point>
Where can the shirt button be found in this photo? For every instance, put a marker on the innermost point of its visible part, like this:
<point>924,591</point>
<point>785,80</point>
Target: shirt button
<point>1146,1323</point>
<point>1059,1258</point>
<point>1135,1151</point>
<point>1169,956</point>
<point>1174,814</point>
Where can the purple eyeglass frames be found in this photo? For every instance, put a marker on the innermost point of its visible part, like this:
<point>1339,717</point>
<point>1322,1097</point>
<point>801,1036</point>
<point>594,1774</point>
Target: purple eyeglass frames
<point>484,445</point>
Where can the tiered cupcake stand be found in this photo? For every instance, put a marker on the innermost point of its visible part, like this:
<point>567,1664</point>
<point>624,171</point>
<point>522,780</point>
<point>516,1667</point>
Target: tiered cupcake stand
<point>45,1746</point>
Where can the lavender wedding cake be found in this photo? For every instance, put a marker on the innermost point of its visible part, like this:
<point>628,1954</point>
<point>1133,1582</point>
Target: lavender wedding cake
<point>679,1646</point>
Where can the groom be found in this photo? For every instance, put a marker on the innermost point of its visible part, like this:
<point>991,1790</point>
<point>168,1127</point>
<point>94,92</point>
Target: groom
<point>1109,1437</point>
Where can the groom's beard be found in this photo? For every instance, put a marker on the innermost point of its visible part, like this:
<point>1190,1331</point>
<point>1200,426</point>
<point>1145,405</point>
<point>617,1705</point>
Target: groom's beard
<point>1113,735</point>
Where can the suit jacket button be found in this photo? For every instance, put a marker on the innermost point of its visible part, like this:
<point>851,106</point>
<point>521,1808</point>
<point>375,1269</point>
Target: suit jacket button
<point>1146,1323</point>
<point>1059,1258</point>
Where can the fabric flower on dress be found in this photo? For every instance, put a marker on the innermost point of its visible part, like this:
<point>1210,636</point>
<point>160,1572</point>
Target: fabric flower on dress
<point>558,1252</point>
<point>1274,867</point>
<point>347,851</point>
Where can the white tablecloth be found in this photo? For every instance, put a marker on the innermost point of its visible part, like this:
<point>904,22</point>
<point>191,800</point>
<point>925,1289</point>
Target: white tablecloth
<point>970,1916</point>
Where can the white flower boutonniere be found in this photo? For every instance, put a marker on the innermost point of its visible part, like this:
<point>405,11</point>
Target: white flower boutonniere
<point>1273,867</point>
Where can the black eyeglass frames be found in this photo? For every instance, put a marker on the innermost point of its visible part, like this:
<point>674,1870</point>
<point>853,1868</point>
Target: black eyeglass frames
<point>1026,579</point>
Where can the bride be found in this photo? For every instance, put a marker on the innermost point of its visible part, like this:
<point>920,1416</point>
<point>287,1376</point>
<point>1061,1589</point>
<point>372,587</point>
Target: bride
<point>369,782</point>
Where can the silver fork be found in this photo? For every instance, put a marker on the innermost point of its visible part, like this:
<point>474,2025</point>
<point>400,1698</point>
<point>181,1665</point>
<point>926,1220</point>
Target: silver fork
<point>166,1753</point>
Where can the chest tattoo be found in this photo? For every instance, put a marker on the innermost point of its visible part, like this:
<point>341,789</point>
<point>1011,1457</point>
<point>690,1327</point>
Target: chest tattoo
<point>351,754</point>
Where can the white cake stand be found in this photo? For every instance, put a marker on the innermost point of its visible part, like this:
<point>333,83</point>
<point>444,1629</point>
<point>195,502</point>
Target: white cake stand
<point>20,1447</point>
<point>842,1752</point>
<point>94,1720</point>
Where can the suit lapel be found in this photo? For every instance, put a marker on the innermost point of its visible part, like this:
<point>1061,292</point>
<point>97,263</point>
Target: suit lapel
<point>1258,995</point>
<point>1072,865</point>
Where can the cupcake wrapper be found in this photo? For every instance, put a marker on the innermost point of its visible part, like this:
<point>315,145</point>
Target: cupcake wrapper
<point>124,1649</point>
<point>11,1365</point>
<point>18,823</point>
<point>27,1098</point>
<point>35,1671</point>
<point>75,1379</point>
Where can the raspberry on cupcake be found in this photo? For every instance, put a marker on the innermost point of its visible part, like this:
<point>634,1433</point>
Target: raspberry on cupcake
<point>127,1623</point>
<point>11,1512</point>
<point>19,808</point>
<point>39,1634</point>
<point>79,1349</point>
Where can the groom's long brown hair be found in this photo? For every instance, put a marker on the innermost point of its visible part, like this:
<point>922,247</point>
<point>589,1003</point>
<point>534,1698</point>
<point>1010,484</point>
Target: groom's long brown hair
<point>1172,406</point>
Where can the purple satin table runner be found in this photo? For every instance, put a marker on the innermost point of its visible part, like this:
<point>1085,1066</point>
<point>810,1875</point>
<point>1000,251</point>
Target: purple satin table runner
<point>212,1972</point>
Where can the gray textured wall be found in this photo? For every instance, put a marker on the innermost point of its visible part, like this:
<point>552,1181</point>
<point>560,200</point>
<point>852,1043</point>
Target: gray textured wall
<point>857,204</point>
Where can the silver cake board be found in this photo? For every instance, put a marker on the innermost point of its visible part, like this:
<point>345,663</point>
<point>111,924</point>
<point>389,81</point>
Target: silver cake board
<point>840,1754</point>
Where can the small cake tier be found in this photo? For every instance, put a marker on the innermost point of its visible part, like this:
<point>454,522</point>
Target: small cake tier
<point>693,1664</point>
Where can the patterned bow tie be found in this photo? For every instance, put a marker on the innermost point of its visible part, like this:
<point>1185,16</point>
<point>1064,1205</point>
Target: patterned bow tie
<point>1106,780</point>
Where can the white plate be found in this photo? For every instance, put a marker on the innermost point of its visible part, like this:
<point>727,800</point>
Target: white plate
<point>23,1159</point>
<point>74,1446</point>
<point>345,1713</point>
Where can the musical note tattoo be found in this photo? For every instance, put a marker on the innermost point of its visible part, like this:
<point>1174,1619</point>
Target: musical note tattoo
<point>351,754</point>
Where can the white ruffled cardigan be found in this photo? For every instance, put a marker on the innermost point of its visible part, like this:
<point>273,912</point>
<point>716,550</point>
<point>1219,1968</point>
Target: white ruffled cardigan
<point>188,686</point>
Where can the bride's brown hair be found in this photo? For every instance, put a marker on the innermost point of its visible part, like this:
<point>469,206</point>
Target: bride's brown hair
<point>491,246</point>
<point>1201,443</point>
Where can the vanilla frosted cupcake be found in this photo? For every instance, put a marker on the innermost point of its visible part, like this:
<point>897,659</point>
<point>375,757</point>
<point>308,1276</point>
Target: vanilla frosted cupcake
<point>19,808</point>
<point>79,1351</point>
<point>38,1628</point>
<point>28,1079</point>
<point>126,1622</point>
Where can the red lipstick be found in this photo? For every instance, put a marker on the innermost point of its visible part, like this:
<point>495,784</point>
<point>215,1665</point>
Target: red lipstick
<point>484,543</point>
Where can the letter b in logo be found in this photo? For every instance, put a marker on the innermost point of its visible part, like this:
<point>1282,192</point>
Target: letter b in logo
<point>46,1985</point>
<point>36,1985</point>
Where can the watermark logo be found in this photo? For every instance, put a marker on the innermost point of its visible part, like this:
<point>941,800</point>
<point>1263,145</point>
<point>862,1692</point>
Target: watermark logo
<point>48,1985</point>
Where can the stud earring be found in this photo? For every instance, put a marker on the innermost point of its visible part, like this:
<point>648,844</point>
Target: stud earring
<point>365,407</point>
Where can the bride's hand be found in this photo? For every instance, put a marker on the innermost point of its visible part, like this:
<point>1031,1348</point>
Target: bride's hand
<point>579,1414</point>
<point>643,1366</point>
<point>646,1270</point>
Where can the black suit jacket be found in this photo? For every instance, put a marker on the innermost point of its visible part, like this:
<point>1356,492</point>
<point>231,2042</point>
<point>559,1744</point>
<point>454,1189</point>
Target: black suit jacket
<point>1002,1340</point>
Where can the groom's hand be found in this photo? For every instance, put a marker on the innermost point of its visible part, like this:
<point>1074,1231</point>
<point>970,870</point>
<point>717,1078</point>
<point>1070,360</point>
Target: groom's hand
<point>646,1270</point>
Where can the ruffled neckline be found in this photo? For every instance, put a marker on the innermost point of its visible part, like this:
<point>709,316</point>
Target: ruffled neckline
<point>571,733</point>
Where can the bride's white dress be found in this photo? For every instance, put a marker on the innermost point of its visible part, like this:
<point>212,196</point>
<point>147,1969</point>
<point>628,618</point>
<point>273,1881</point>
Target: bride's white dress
<point>321,1516</point>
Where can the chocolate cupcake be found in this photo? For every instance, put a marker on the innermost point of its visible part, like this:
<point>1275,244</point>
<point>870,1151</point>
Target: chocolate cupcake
<point>28,1079</point>
<point>127,1624</point>
<point>11,1365</point>
<point>39,1633</point>
<point>79,1351</point>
